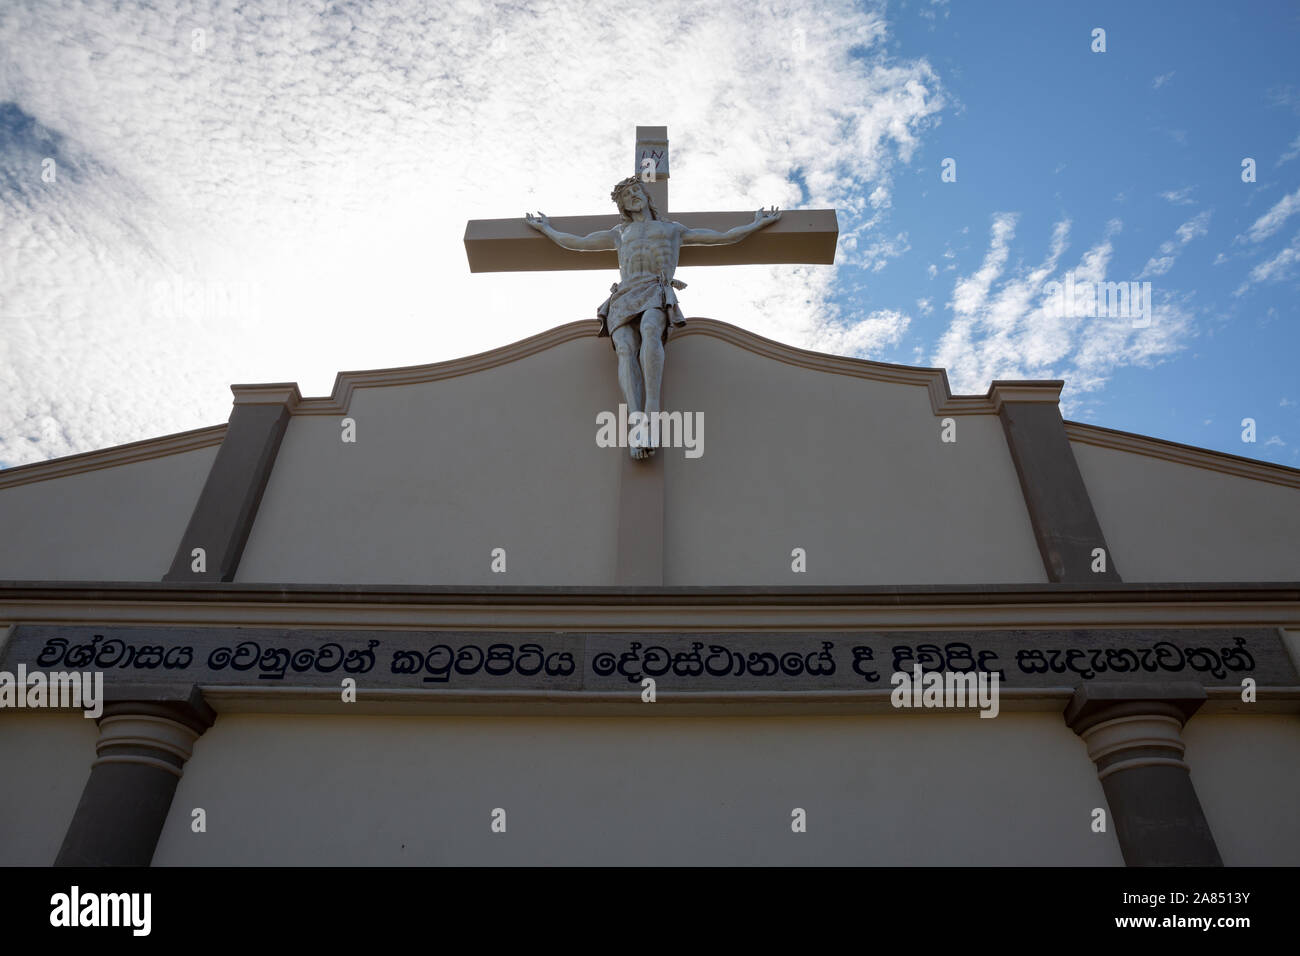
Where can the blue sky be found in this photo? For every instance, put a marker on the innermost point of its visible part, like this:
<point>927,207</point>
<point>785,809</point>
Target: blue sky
<point>1149,134</point>
<point>283,195</point>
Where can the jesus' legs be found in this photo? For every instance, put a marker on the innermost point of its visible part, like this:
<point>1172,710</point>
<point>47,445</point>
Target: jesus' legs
<point>629,377</point>
<point>653,323</point>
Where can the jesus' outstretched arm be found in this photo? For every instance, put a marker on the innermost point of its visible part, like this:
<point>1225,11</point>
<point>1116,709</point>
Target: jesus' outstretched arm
<point>711,237</point>
<point>595,242</point>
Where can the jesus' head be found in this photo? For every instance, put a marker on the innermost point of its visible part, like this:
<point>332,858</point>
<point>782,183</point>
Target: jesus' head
<point>631,196</point>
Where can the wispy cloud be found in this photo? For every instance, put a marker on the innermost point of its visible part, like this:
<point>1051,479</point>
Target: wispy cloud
<point>1162,79</point>
<point>1002,326</point>
<point>1275,268</point>
<point>1272,221</point>
<point>876,255</point>
<point>861,337</point>
<point>1291,153</point>
<point>1194,228</point>
<point>1179,197</point>
<point>1286,97</point>
<point>937,8</point>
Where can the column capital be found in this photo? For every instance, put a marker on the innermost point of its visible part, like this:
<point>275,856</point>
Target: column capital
<point>154,727</point>
<point>1099,701</point>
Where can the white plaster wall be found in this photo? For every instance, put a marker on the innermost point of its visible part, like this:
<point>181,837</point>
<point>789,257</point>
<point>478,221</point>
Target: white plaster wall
<point>851,470</point>
<point>44,764</point>
<point>1246,771</point>
<point>444,472</point>
<point>902,790</point>
<point>1170,522</point>
<point>112,524</point>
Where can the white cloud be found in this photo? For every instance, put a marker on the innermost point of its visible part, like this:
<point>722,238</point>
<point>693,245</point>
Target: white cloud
<point>1193,228</point>
<point>324,160</point>
<point>877,254</point>
<point>864,337</point>
<point>1274,269</point>
<point>1162,79</point>
<point>936,7</point>
<point>1003,327</point>
<point>1272,220</point>
<point>1179,197</point>
<point>1158,266</point>
<point>1291,153</point>
<point>1287,97</point>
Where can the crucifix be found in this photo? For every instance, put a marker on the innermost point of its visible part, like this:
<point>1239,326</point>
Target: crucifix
<point>646,246</point>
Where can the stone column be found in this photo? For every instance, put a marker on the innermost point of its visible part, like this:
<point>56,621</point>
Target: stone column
<point>1056,498</point>
<point>227,506</point>
<point>142,749</point>
<point>1134,736</point>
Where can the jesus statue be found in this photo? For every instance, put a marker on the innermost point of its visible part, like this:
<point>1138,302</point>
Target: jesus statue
<point>643,304</point>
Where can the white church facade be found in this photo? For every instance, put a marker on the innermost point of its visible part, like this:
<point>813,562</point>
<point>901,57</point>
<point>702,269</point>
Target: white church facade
<point>433,607</point>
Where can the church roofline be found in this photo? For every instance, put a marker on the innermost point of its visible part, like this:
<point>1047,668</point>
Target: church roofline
<point>935,380</point>
<point>174,444</point>
<point>1183,454</point>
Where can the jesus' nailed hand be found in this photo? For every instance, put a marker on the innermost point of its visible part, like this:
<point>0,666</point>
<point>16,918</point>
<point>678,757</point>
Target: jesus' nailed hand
<point>643,304</point>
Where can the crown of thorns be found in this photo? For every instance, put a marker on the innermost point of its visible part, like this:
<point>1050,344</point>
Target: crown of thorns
<point>622,185</point>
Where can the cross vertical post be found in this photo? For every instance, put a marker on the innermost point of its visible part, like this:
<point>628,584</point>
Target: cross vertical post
<point>651,164</point>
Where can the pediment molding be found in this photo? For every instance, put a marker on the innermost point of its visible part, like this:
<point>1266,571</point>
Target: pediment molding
<point>934,380</point>
<point>1183,454</point>
<point>145,450</point>
<point>346,383</point>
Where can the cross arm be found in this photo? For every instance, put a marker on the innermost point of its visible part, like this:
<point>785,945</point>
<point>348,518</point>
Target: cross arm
<point>511,245</point>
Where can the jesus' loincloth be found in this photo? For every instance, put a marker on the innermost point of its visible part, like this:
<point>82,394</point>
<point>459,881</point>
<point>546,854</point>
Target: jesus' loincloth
<point>630,299</point>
